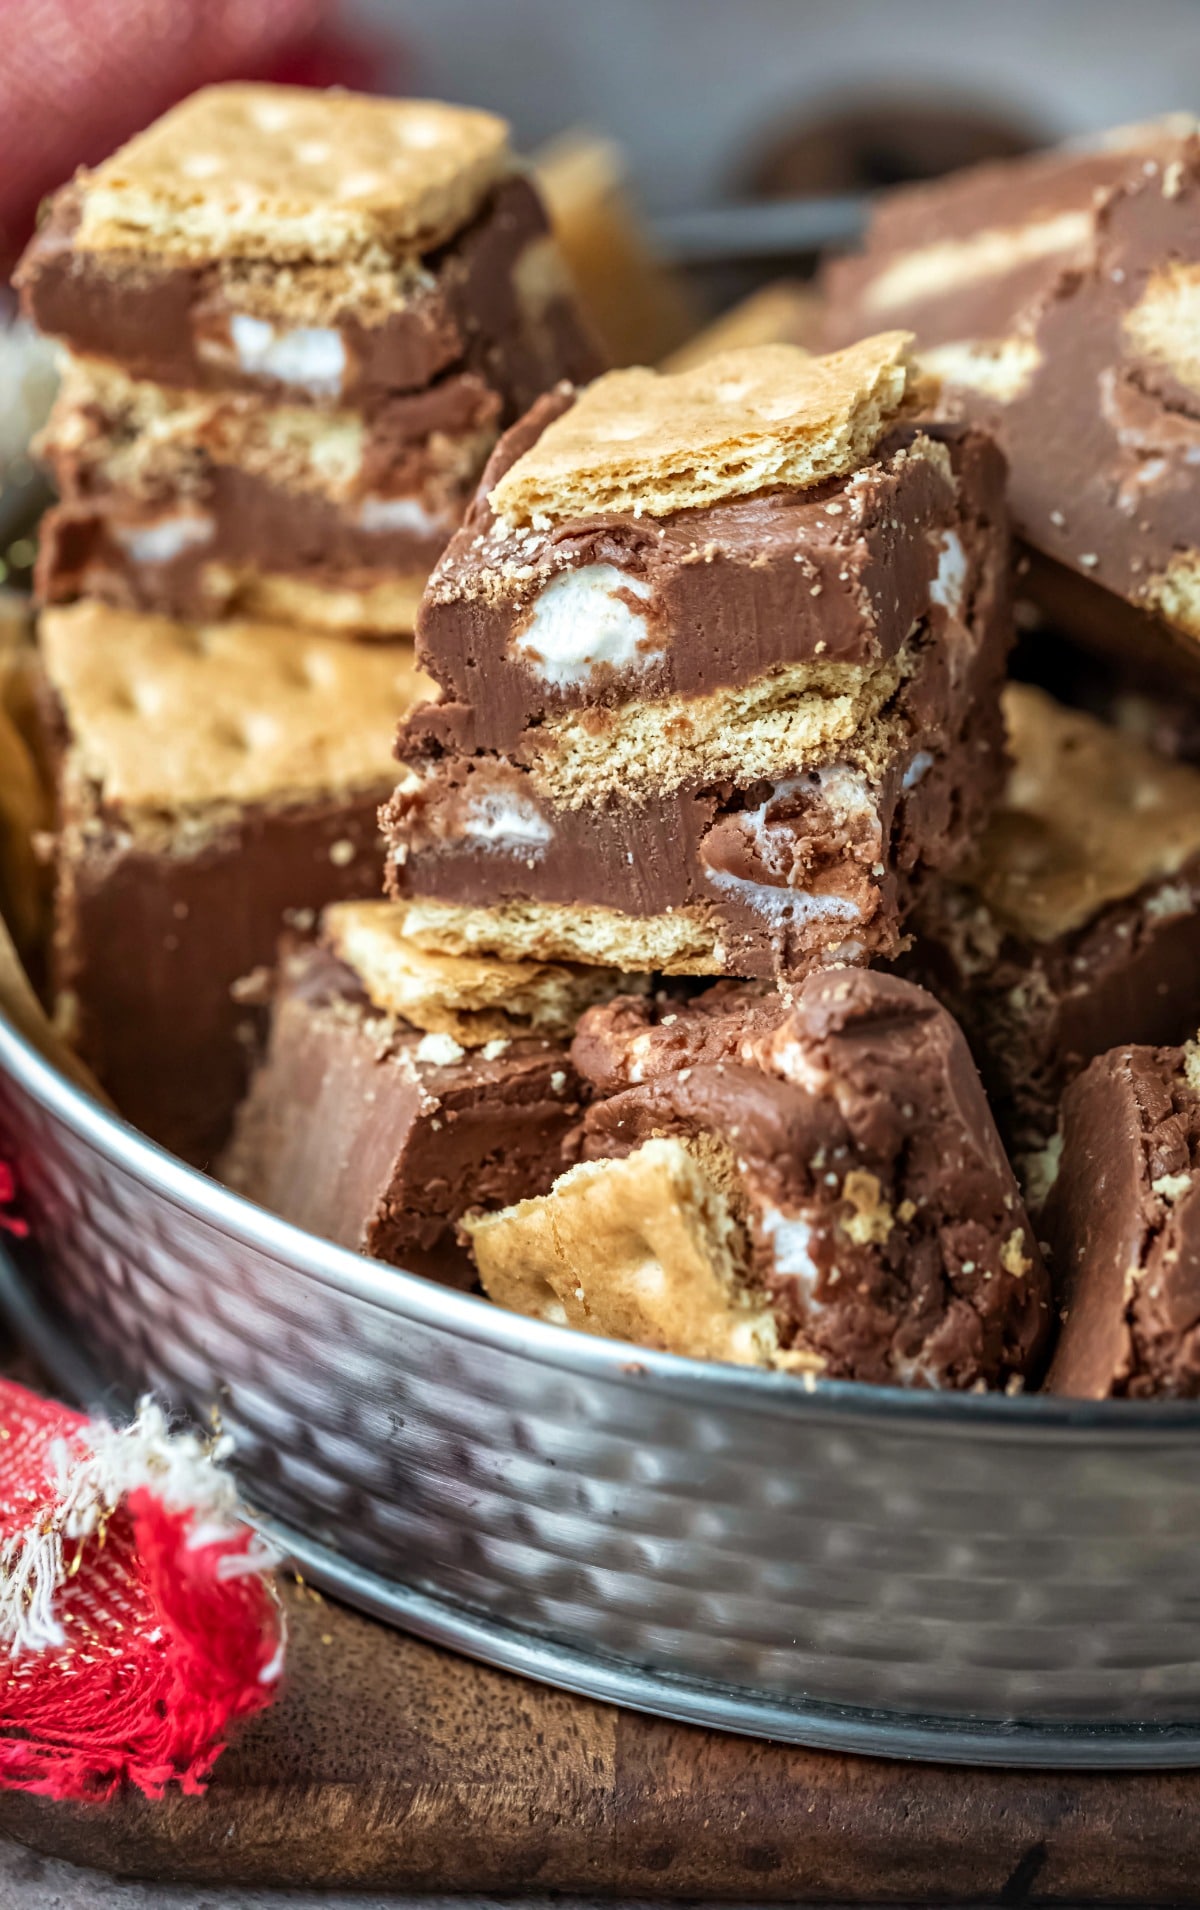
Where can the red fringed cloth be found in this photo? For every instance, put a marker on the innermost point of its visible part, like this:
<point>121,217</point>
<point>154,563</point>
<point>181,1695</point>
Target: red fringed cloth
<point>137,1615</point>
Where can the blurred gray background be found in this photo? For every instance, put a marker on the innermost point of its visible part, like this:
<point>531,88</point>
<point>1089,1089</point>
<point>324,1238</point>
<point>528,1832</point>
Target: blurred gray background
<point>695,88</point>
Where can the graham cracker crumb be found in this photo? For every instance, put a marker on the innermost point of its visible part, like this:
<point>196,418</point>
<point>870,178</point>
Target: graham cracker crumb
<point>871,1222</point>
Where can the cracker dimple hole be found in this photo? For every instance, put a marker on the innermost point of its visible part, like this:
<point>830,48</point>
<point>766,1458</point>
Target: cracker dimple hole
<point>270,115</point>
<point>313,152</point>
<point>259,730</point>
<point>315,671</point>
<point>200,165</point>
<point>359,184</point>
<point>421,133</point>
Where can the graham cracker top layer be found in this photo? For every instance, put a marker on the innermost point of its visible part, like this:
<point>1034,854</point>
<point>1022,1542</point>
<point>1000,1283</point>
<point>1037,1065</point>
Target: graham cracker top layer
<point>166,716</point>
<point>1089,817</point>
<point>286,173</point>
<point>651,442</point>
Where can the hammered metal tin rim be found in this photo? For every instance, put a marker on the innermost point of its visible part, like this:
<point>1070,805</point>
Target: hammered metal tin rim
<point>1034,1415</point>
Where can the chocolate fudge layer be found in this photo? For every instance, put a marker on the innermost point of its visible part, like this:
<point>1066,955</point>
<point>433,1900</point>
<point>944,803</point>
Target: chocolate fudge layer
<point>193,505</point>
<point>1124,1223</point>
<point>214,782</point>
<point>316,247</point>
<point>819,1187</point>
<point>377,1128</point>
<point>1057,298</point>
<point>727,737</point>
<point>1075,923</point>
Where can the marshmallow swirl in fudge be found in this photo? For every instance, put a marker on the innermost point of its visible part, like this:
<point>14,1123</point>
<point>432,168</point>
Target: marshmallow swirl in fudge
<point>1059,299</point>
<point>1074,923</point>
<point>817,1186</point>
<point>721,707</point>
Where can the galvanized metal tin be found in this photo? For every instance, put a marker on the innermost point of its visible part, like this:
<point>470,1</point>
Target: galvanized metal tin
<point>961,1577</point>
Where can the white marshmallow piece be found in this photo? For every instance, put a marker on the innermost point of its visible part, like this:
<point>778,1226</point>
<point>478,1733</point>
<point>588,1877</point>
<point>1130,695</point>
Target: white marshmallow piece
<point>165,539</point>
<point>399,514</point>
<point>312,357</point>
<point>949,587</point>
<point>507,823</point>
<point>790,1237</point>
<point>579,622</point>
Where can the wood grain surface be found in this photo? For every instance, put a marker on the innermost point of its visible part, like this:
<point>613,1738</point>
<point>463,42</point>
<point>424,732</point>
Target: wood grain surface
<point>389,1764</point>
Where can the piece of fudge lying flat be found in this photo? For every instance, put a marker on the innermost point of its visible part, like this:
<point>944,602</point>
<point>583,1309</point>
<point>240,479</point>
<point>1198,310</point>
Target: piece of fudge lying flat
<point>719,658</point>
<point>399,1089</point>
<point>819,1187</point>
<point>1059,299</point>
<point>213,781</point>
<point>1075,923</point>
<point>319,248</point>
<point>1123,1221</point>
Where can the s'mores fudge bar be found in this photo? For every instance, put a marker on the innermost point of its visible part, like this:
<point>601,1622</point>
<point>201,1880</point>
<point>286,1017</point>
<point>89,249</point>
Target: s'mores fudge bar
<point>718,658</point>
<point>214,782</point>
<point>296,324</point>
<point>1123,1222</point>
<point>819,1187</point>
<point>319,248</point>
<point>1075,922</point>
<point>1058,297</point>
<point>399,1089</point>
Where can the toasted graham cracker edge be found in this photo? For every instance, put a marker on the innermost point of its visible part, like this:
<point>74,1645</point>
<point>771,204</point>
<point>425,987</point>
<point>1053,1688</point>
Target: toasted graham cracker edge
<point>684,942</point>
<point>476,999</point>
<point>653,444</point>
<point>168,190</point>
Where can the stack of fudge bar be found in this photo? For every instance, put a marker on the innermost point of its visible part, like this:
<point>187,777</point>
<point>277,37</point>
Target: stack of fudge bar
<point>294,325</point>
<point>721,723</point>
<point>718,657</point>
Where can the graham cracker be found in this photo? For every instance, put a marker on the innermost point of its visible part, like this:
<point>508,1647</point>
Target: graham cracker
<point>1164,325</point>
<point>645,1249</point>
<point>472,998</point>
<point>289,173</point>
<point>654,443</point>
<point>167,716</point>
<point>1090,815</point>
<point>684,941</point>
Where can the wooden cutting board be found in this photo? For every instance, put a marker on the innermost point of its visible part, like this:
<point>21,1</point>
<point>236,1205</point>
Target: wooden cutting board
<point>387,1763</point>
